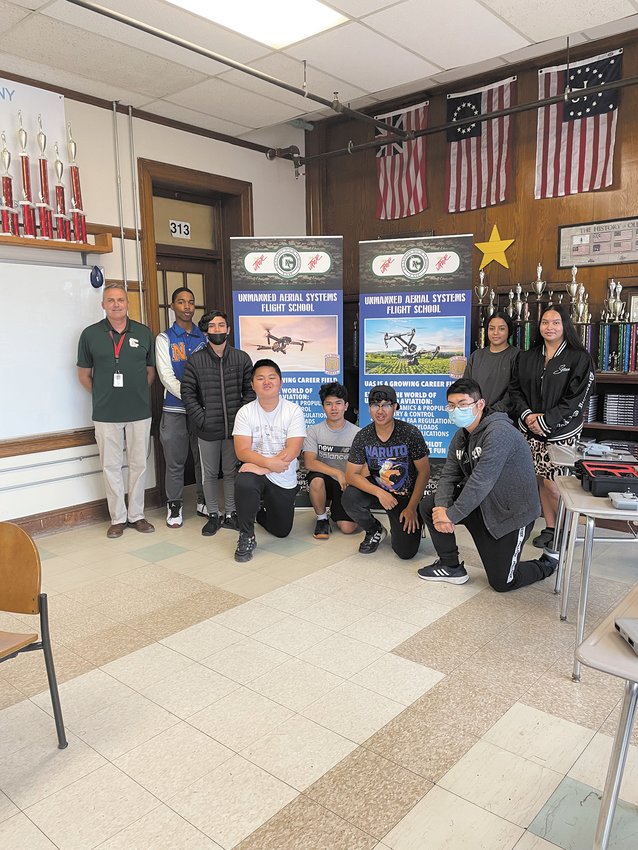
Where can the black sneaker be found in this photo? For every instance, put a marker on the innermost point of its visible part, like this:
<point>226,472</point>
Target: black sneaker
<point>545,539</point>
<point>231,521</point>
<point>372,539</point>
<point>246,545</point>
<point>212,526</point>
<point>437,572</point>
<point>322,529</point>
<point>549,562</point>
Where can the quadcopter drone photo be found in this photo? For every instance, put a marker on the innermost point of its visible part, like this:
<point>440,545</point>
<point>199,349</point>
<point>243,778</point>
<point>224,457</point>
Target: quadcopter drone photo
<point>279,344</point>
<point>422,347</point>
<point>409,350</point>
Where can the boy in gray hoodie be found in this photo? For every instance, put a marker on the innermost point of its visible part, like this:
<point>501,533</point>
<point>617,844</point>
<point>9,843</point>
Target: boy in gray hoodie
<point>488,485</point>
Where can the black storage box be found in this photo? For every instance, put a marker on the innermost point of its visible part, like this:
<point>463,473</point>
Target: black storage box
<point>603,477</point>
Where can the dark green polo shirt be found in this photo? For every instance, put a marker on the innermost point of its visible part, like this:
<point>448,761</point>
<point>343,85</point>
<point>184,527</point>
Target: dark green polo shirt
<point>132,401</point>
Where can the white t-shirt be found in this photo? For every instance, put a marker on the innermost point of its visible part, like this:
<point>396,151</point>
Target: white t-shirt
<point>269,431</point>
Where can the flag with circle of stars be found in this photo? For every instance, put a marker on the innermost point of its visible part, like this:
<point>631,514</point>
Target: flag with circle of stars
<point>478,168</point>
<point>575,139</point>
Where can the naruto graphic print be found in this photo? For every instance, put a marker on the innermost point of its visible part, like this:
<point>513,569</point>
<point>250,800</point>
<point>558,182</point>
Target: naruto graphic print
<point>390,463</point>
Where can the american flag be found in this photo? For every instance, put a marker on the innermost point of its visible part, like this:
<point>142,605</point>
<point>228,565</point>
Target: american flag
<point>575,139</point>
<point>479,160</point>
<point>401,166</point>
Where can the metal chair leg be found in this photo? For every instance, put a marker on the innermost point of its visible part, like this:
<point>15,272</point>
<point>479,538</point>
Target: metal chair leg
<point>588,548</point>
<point>569,560</point>
<point>616,767</point>
<point>48,660</point>
<point>561,535</point>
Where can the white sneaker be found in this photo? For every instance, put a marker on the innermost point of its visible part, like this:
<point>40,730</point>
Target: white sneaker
<point>174,514</point>
<point>202,510</point>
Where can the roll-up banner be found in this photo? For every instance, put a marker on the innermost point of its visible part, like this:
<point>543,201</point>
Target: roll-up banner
<point>288,307</point>
<point>414,319</point>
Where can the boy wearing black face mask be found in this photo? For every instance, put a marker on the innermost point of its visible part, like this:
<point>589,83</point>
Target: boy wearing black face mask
<point>488,485</point>
<point>216,383</point>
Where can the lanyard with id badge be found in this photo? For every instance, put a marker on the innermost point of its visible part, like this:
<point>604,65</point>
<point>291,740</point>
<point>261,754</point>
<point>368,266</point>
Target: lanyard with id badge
<point>118,377</point>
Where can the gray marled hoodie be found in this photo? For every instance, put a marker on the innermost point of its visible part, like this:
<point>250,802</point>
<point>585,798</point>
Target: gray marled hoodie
<point>493,466</point>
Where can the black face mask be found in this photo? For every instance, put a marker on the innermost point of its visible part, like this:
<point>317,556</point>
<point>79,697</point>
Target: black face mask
<point>217,339</point>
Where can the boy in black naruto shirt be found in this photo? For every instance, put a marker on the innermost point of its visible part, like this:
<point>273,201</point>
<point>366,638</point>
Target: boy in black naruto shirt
<point>388,466</point>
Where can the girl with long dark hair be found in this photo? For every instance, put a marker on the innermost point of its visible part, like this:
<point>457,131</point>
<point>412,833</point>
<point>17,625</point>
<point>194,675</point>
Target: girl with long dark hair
<point>551,386</point>
<point>492,367</point>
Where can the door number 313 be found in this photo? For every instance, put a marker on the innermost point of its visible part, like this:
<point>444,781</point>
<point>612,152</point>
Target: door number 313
<point>180,229</point>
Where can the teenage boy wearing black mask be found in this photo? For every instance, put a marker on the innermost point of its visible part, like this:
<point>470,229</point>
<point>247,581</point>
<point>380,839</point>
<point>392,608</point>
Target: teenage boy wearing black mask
<point>216,383</point>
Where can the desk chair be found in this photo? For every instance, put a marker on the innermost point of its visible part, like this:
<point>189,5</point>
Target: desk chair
<point>20,577</point>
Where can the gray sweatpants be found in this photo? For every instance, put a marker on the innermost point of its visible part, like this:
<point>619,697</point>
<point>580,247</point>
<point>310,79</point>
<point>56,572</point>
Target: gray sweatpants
<point>211,451</point>
<point>175,441</point>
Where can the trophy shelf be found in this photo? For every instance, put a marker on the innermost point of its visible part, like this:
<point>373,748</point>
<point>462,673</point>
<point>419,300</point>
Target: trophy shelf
<point>102,244</point>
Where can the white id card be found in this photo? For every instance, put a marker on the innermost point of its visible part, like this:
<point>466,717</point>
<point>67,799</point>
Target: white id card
<point>118,379</point>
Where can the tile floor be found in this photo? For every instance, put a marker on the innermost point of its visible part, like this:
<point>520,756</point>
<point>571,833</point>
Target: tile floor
<point>313,699</point>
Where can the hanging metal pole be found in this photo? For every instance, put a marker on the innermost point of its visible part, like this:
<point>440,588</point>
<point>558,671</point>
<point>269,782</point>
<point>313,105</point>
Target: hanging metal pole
<point>573,94</point>
<point>334,104</point>
<point>136,225</point>
<point>118,180</point>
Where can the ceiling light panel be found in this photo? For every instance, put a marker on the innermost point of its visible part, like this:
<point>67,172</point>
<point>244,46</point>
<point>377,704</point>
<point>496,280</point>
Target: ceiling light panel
<point>276,23</point>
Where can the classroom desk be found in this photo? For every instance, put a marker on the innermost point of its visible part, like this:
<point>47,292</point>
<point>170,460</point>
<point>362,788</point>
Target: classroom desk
<point>606,651</point>
<point>577,503</point>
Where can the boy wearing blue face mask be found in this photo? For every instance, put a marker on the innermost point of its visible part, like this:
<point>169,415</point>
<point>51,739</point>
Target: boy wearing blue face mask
<point>488,484</point>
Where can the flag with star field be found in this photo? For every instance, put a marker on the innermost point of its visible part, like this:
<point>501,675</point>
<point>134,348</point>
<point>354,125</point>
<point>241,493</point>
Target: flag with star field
<point>478,157</point>
<point>401,165</point>
<point>575,138</point>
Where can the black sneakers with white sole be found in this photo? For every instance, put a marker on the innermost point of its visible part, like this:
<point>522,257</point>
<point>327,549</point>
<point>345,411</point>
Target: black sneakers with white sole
<point>437,572</point>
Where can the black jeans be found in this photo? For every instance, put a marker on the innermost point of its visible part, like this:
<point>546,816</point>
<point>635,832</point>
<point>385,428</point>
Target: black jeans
<point>278,503</point>
<point>501,558</point>
<point>359,505</point>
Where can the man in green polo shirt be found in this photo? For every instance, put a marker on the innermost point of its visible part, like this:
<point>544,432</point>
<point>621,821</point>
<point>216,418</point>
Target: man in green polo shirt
<point>116,364</point>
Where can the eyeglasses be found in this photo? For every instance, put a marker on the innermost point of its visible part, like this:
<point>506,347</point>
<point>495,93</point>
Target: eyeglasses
<point>451,407</point>
<point>375,405</point>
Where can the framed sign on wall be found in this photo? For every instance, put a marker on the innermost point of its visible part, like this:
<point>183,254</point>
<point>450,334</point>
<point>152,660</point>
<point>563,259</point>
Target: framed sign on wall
<point>598,243</point>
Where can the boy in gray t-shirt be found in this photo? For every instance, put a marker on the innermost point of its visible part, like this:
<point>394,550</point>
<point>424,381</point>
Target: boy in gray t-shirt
<point>325,452</point>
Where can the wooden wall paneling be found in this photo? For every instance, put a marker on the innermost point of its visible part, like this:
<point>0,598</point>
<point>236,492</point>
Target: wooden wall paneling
<point>350,189</point>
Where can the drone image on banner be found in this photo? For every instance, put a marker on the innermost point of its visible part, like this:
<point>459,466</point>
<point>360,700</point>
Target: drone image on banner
<point>279,344</point>
<point>409,350</point>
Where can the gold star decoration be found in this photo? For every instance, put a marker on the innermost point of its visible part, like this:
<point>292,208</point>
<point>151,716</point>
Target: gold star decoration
<point>494,249</point>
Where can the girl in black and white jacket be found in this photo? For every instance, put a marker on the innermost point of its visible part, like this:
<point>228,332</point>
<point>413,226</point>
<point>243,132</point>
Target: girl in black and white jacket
<point>550,389</point>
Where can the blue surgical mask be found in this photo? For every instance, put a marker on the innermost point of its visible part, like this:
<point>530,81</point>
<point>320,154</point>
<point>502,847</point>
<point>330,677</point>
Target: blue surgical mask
<point>462,417</point>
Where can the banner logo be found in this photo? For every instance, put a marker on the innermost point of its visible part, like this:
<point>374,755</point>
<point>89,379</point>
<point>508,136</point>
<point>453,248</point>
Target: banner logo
<point>415,264</point>
<point>287,262</point>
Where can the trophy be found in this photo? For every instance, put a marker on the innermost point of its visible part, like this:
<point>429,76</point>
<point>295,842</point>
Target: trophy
<point>538,285</point>
<point>45,217</point>
<point>491,309</point>
<point>77,210</point>
<point>518,302</point>
<point>26,203</point>
<point>481,289</point>
<point>580,305</point>
<point>61,220</point>
<point>525,313</point>
<point>572,286</point>
<point>510,306</point>
<point>8,214</point>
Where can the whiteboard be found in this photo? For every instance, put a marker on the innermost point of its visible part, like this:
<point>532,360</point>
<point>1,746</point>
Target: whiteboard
<point>45,308</point>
